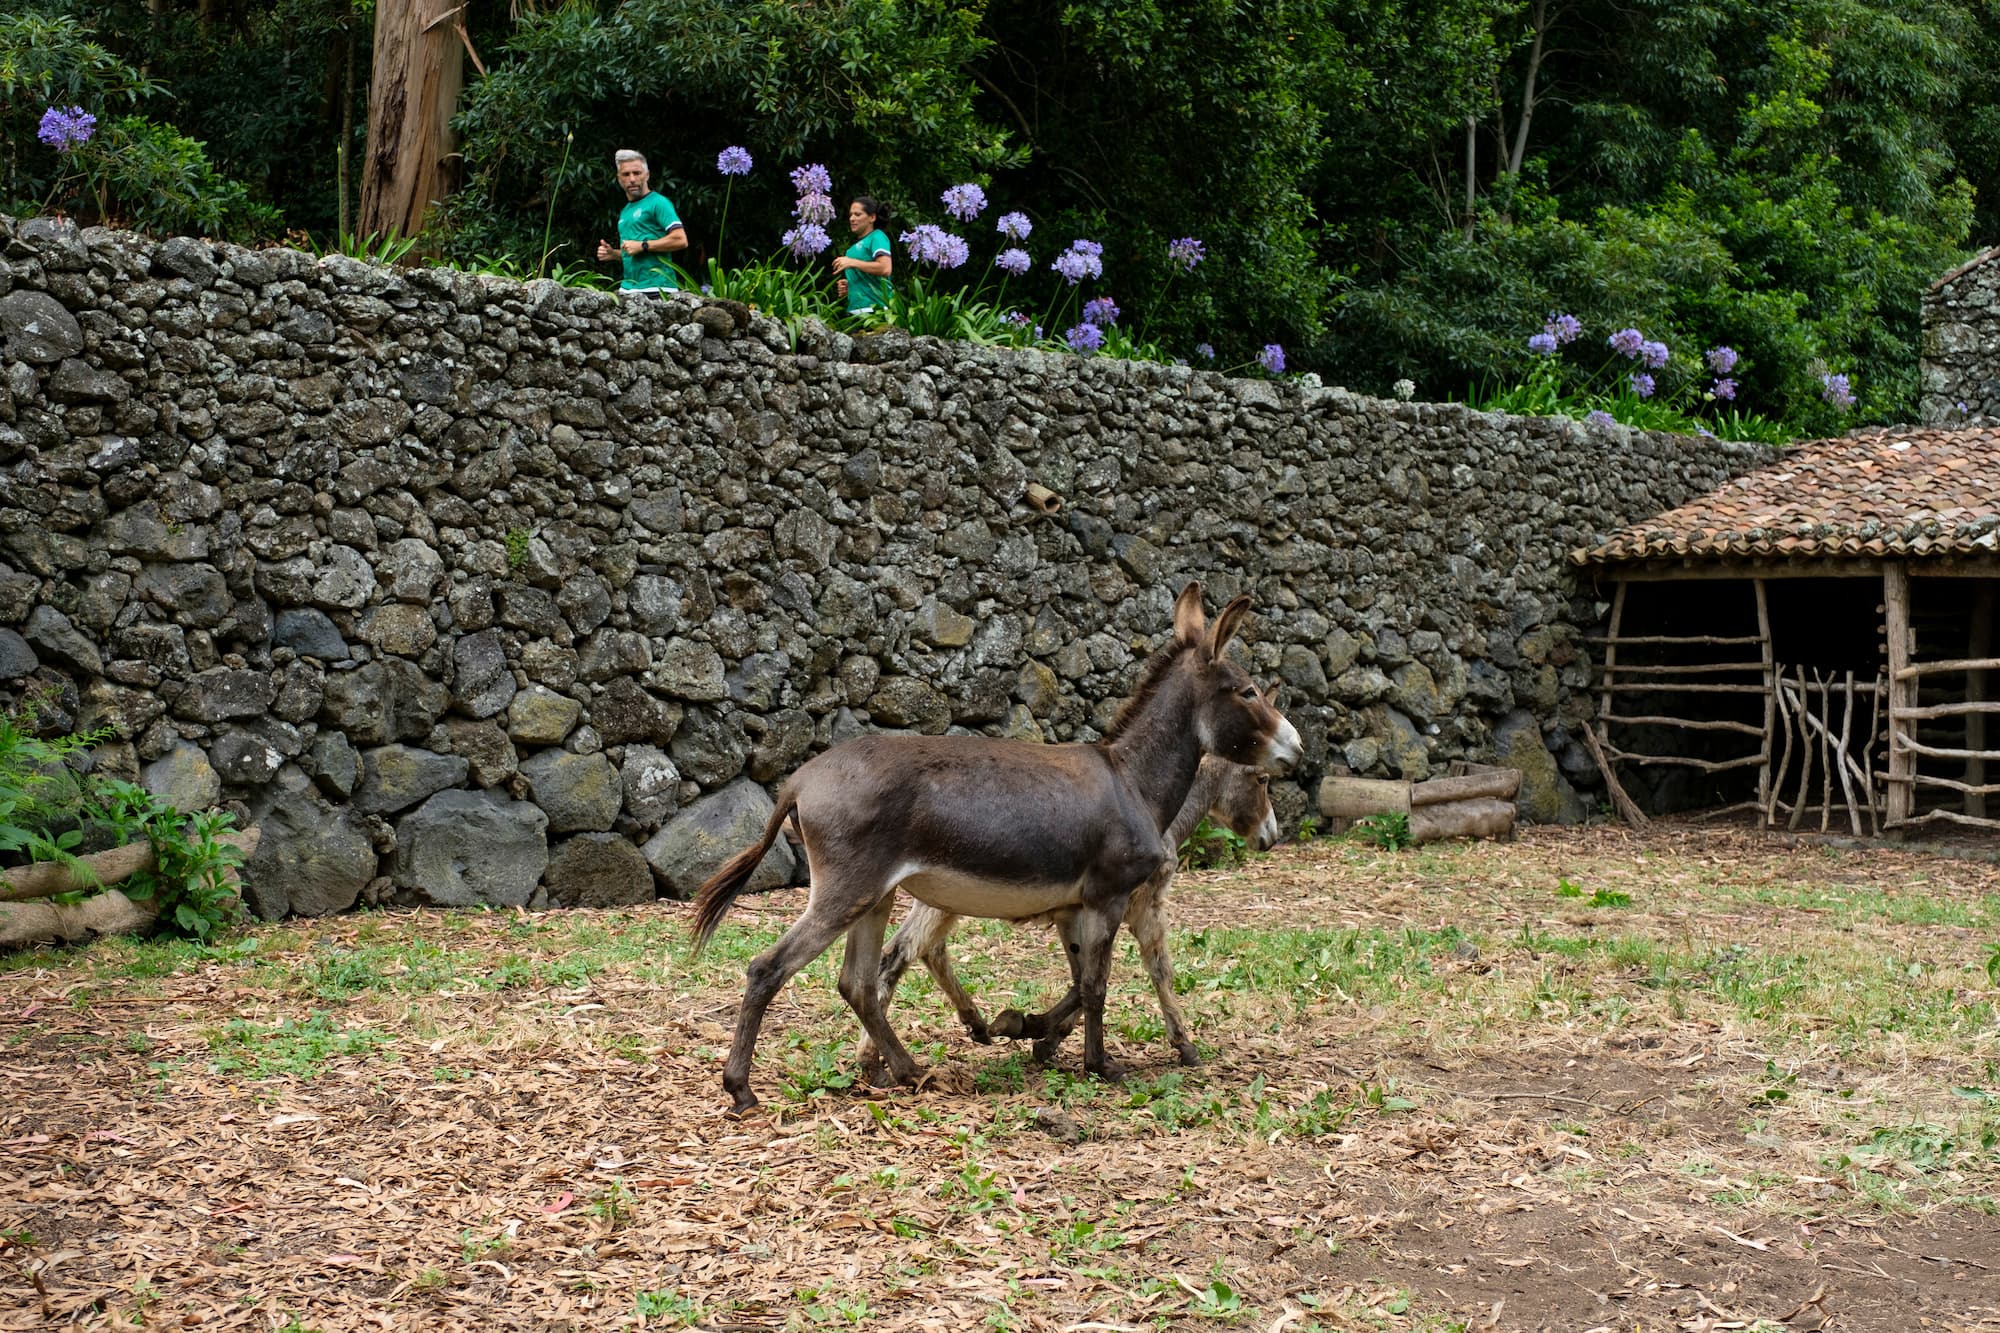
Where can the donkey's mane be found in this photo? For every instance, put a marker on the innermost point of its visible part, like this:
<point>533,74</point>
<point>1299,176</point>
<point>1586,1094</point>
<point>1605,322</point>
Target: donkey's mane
<point>1150,676</point>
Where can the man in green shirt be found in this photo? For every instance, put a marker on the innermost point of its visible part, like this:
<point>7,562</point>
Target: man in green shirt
<point>648,229</point>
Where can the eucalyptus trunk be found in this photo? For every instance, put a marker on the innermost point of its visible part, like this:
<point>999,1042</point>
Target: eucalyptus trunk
<point>412,154</point>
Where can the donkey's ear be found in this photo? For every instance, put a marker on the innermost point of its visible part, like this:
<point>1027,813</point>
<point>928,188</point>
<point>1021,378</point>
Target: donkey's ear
<point>1189,621</point>
<point>1271,694</point>
<point>1224,628</point>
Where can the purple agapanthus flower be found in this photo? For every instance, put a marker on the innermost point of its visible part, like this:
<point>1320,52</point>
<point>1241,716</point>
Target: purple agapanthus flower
<point>1014,226</point>
<point>965,202</point>
<point>733,162</point>
<point>1837,390</point>
<point>1724,388</point>
<point>1076,265</point>
<point>1654,354</point>
<point>932,244</point>
<point>1085,337</point>
<point>814,209</point>
<point>806,240</point>
<point>1721,360</point>
<point>1013,261</point>
<point>812,178</point>
<point>1600,420</point>
<point>1543,344</point>
<point>1018,318</point>
<point>1272,358</point>
<point>1626,342</point>
<point>1563,328</point>
<point>1187,251</point>
<point>1642,383</point>
<point>66,129</point>
<point>1092,248</point>
<point>1204,351</point>
<point>1100,310</point>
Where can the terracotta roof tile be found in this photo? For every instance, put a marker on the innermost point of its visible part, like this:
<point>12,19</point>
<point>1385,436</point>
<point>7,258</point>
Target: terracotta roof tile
<point>1906,490</point>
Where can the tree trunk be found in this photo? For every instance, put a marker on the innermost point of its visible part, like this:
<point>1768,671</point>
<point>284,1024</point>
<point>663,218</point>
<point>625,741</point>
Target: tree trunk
<point>411,159</point>
<point>1541,26</point>
<point>345,225</point>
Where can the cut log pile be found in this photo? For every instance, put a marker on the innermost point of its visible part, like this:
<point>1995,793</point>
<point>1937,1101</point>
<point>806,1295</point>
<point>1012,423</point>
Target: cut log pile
<point>1476,801</point>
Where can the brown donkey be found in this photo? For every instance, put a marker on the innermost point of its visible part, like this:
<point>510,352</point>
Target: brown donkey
<point>995,828</point>
<point>1236,797</point>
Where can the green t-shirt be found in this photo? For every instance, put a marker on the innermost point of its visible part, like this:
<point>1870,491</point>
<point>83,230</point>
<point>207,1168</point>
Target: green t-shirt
<point>648,218</point>
<point>865,291</point>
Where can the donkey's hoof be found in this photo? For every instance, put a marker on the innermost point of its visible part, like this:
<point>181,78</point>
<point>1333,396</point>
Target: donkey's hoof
<point>1189,1055</point>
<point>1107,1069</point>
<point>1047,1050</point>
<point>976,1029</point>
<point>746,1102</point>
<point>1010,1023</point>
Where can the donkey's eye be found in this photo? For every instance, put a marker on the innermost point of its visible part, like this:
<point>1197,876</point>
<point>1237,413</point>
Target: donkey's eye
<point>1247,692</point>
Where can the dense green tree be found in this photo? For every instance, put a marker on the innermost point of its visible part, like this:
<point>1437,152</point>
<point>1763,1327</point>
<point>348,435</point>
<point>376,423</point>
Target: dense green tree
<point>1779,178</point>
<point>1387,187</point>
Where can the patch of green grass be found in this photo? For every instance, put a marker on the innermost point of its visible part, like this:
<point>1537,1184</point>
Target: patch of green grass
<point>1311,965</point>
<point>670,1307</point>
<point>293,1048</point>
<point>474,1247</point>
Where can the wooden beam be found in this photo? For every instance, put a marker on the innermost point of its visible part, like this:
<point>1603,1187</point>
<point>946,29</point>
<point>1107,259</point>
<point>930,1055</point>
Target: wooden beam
<point>1819,567</point>
<point>1953,816</point>
<point>1950,710</point>
<point>1916,669</point>
<point>1674,639</point>
<point>1902,692</point>
<point>1692,669</point>
<point>1925,780</point>
<point>1942,752</point>
<point>1689,724</point>
<point>1669,687</point>
<point>1684,761</point>
<point>1769,663</point>
<point>1978,646</point>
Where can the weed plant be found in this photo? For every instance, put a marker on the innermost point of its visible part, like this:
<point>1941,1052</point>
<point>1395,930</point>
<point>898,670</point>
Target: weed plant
<point>51,802</point>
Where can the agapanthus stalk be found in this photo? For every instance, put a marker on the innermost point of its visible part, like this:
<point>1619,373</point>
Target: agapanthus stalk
<point>549,219</point>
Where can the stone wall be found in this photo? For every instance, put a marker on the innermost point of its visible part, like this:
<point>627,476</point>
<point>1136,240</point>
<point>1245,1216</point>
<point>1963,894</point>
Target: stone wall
<point>1961,361</point>
<point>476,591</point>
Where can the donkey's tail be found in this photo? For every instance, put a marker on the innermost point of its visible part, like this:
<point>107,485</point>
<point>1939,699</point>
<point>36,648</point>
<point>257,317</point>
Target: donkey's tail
<point>712,900</point>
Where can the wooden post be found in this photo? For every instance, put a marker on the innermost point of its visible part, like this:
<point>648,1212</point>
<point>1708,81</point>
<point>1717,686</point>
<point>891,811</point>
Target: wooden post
<point>1764,775</point>
<point>1979,645</point>
<point>1902,692</point>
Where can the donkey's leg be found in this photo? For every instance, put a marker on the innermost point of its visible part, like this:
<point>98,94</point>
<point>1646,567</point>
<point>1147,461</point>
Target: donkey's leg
<point>1096,931</point>
<point>1051,1028</point>
<point>922,937</point>
<point>938,960</point>
<point>1148,920</point>
<point>859,977</point>
<point>1053,1024</point>
<point>827,916</point>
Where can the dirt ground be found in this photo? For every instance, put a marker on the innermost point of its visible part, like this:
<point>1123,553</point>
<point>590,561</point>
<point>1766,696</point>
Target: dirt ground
<point>1445,1091</point>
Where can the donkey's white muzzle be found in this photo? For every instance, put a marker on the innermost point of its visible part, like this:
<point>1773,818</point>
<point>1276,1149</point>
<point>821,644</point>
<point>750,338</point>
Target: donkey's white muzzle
<point>1284,751</point>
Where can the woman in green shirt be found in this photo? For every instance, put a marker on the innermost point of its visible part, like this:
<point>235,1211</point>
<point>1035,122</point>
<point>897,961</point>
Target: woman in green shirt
<point>867,262</point>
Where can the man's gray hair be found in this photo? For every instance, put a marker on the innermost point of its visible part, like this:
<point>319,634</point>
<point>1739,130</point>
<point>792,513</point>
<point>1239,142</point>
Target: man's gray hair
<point>624,155</point>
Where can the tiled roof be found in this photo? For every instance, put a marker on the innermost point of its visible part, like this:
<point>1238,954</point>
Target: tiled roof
<point>1904,491</point>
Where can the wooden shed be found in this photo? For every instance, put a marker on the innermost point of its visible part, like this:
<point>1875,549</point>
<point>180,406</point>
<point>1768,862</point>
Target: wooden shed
<point>1813,640</point>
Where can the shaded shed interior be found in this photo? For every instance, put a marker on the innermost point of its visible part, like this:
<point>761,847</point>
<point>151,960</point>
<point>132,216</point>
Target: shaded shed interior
<point>1688,689</point>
